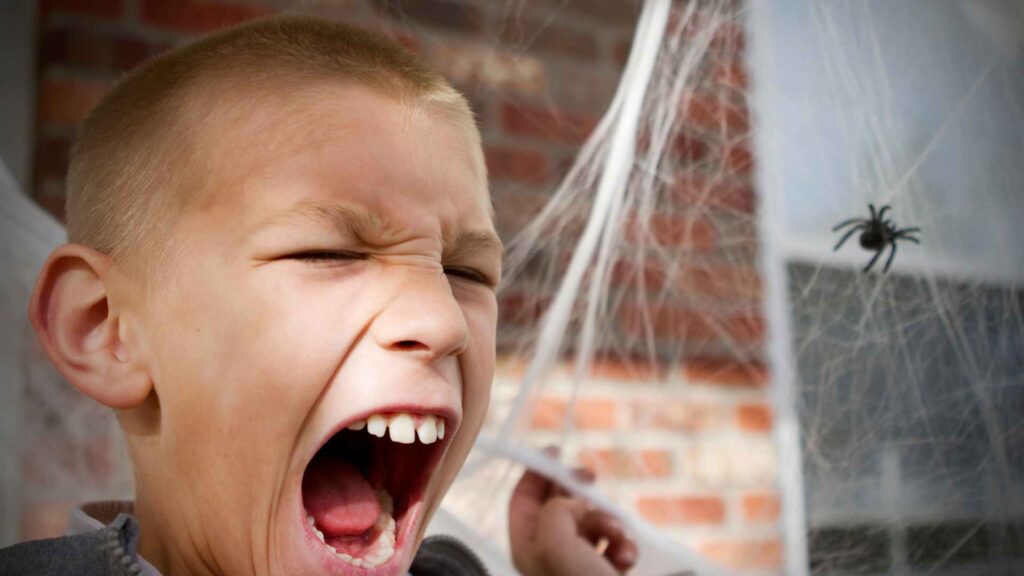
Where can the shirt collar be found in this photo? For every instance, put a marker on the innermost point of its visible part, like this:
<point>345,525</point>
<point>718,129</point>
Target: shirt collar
<point>95,515</point>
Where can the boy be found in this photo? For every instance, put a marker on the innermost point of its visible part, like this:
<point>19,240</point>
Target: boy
<point>281,275</point>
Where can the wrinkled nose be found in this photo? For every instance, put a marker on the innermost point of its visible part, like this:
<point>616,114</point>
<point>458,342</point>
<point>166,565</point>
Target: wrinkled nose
<point>424,319</point>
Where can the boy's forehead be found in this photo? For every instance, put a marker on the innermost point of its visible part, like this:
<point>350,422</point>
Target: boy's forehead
<point>349,157</point>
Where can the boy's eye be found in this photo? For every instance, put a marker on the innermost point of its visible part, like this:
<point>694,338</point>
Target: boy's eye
<point>468,274</point>
<point>326,256</point>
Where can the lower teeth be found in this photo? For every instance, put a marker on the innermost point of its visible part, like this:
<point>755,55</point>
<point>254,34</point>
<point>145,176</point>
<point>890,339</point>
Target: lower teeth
<point>382,548</point>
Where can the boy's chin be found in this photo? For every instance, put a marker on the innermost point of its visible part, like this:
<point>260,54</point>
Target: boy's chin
<point>363,497</point>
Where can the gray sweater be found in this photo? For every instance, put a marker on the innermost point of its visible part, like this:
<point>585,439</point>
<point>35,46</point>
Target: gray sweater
<point>111,551</point>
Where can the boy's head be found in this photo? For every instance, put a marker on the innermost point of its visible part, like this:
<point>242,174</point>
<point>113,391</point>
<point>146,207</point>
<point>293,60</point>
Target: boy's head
<point>280,232</point>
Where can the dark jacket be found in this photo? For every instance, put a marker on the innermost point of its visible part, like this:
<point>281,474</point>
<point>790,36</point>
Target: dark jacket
<point>111,551</point>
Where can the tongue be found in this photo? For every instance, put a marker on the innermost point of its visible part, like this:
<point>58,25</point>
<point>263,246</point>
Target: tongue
<point>338,497</point>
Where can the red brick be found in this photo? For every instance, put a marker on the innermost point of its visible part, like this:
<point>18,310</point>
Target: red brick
<point>449,14</point>
<point>682,510</point>
<point>725,372</point>
<point>730,73</point>
<point>68,101</point>
<point>739,159</point>
<point>617,13</point>
<point>130,52</point>
<point>52,203</point>
<point>632,370</point>
<point>712,114</point>
<point>589,413</point>
<point>78,48</point>
<point>109,9</point>
<point>620,53</point>
<point>548,413</point>
<point>596,414</point>
<point>673,231</point>
<point>672,323</point>
<point>473,67</point>
<point>692,189</point>
<point>95,51</point>
<point>52,158</point>
<point>689,149</point>
<point>515,208</point>
<point>521,308</point>
<point>677,415</point>
<point>510,365</point>
<point>649,277</point>
<point>746,327</point>
<point>566,41</point>
<point>721,281</point>
<point>517,165</point>
<point>754,418</point>
<point>631,464</point>
<point>197,15</point>
<point>729,37</point>
<point>750,554</point>
<point>524,34</point>
<point>546,124</point>
<point>761,508</point>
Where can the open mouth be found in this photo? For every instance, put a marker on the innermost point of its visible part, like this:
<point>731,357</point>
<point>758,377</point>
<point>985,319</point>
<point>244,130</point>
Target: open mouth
<point>363,489</point>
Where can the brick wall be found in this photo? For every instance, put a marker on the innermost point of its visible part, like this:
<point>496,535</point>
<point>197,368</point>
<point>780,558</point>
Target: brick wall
<point>688,446</point>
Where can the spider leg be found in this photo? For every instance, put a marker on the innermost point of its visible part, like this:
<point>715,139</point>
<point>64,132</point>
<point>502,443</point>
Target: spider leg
<point>882,211</point>
<point>846,223</point>
<point>874,259</point>
<point>906,230</point>
<point>847,236</point>
<point>872,208</point>
<point>891,256</point>
<point>906,234</point>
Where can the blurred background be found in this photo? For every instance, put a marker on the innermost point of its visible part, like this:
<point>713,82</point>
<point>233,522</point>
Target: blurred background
<point>752,394</point>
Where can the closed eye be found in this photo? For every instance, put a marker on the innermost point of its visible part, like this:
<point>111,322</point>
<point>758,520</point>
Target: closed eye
<point>322,256</point>
<point>331,256</point>
<point>468,274</point>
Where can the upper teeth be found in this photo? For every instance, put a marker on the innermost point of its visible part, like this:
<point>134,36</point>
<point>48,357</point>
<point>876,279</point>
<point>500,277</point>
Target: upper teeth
<point>404,427</point>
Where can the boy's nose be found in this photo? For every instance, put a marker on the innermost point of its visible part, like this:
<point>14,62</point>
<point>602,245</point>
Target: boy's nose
<point>424,318</point>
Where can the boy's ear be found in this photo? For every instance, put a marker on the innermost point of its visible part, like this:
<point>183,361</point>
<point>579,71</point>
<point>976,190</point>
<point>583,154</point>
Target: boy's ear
<point>81,332</point>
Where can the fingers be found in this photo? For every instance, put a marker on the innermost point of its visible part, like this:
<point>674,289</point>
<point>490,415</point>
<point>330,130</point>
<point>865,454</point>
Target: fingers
<point>553,532</point>
<point>532,488</point>
<point>584,475</point>
<point>581,474</point>
<point>530,494</point>
<point>598,526</point>
<point>524,507</point>
<point>574,530</point>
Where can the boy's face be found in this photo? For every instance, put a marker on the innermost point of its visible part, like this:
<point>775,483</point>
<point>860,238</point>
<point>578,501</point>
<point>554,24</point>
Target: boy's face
<point>341,266</point>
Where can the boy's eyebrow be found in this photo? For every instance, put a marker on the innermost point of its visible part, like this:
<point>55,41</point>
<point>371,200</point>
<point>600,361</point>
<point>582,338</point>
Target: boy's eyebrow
<point>362,223</point>
<point>350,220</point>
<point>473,242</point>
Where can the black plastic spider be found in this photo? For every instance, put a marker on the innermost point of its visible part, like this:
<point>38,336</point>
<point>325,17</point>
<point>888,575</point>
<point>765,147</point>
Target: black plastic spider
<point>878,234</point>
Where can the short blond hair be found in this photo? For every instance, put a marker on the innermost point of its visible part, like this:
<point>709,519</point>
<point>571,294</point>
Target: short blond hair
<point>136,165</point>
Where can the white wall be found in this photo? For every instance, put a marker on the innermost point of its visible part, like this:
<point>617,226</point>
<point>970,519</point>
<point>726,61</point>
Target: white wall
<point>917,103</point>
<point>914,103</point>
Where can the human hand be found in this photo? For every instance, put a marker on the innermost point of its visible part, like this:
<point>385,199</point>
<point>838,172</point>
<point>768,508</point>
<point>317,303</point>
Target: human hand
<point>553,533</point>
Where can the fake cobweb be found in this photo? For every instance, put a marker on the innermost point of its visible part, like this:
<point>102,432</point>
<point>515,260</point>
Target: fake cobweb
<point>897,446</point>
